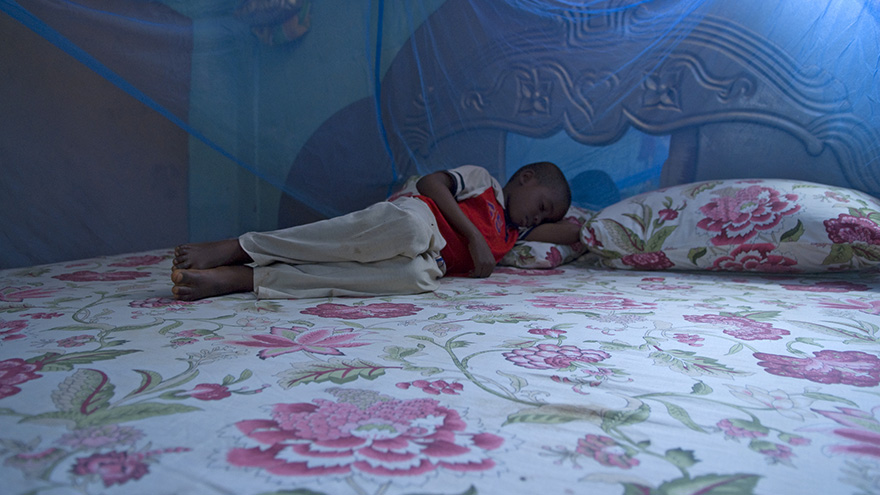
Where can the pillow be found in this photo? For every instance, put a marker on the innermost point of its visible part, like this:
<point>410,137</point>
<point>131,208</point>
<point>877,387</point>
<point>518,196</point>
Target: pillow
<point>540,255</point>
<point>763,225</point>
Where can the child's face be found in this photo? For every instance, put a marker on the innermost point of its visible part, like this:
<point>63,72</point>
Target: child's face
<point>530,204</point>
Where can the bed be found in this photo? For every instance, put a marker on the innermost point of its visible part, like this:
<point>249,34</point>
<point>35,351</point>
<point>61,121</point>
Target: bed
<point>665,354</point>
<point>578,379</point>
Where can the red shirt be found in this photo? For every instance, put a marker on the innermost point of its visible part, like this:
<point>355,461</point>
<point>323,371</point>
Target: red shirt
<point>487,215</point>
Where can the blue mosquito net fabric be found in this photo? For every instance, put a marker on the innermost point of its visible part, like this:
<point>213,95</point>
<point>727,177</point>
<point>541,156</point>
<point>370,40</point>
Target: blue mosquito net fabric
<point>293,110</point>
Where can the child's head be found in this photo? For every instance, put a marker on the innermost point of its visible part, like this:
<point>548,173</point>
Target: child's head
<point>537,193</point>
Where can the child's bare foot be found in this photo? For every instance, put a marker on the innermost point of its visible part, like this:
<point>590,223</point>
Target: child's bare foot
<point>190,285</point>
<point>206,255</point>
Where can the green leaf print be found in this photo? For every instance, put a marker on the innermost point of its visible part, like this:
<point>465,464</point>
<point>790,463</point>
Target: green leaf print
<point>83,399</point>
<point>625,417</point>
<point>549,414</point>
<point>794,234</point>
<point>335,370</point>
<point>655,243</point>
<point>829,398</point>
<point>690,364</point>
<point>712,484</point>
<point>506,318</point>
<point>682,416</point>
<point>681,458</point>
<point>54,361</point>
<point>697,253</point>
<point>84,392</point>
<point>854,336</point>
<point>133,412</point>
<point>701,388</point>
<point>623,237</point>
<point>840,253</point>
<point>869,252</point>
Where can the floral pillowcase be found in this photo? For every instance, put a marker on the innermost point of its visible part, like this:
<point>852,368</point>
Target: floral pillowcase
<point>763,225</point>
<point>543,255</point>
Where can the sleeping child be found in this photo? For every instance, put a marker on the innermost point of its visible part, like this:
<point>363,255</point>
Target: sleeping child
<point>458,222</point>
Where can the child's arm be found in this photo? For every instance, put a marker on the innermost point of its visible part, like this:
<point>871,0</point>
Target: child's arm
<point>561,232</point>
<point>438,186</point>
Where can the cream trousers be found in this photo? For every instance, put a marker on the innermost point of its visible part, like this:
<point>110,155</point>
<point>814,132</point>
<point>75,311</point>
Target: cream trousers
<point>387,248</point>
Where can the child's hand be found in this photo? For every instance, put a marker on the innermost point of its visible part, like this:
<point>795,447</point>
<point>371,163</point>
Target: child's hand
<point>484,260</point>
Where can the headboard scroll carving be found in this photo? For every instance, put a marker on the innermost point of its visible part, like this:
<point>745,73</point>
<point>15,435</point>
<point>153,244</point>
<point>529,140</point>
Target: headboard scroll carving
<point>595,74</point>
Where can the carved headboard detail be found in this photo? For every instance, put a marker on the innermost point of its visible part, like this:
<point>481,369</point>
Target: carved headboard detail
<point>734,102</point>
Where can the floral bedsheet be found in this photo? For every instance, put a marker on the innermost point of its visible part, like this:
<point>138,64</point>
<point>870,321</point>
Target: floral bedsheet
<point>573,380</point>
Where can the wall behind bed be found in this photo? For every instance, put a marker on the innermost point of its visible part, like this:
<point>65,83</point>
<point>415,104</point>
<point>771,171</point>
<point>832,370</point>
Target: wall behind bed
<point>196,151</point>
<point>258,114</point>
<point>87,169</point>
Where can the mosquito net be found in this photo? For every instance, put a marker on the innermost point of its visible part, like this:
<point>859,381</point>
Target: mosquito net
<point>132,124</point>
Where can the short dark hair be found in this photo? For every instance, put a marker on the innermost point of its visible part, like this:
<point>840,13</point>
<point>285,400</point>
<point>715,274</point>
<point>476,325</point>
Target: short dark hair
<point>548,174</point>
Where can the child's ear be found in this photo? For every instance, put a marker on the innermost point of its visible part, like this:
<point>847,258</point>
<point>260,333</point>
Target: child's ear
<point>526,176</point>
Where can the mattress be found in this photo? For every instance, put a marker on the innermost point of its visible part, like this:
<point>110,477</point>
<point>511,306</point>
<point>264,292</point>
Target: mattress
<point>579,379</point>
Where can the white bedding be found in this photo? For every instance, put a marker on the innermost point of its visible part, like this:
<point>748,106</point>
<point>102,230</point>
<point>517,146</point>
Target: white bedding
<point>574,380</point>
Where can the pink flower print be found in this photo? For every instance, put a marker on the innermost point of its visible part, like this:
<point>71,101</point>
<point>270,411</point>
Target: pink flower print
<point>133,261</point>
<point>294,339</point>
<point>828,286</point>
<point>606,451</point>
<point>436,387</point>
<point>591,302</point>
<point>775,452</point>
<point>588,237</point>
<point>860,427</point>
<point>75,341</point>
<point>846,229</point>
<point>737,428</point>
<point>375,310</point>
<point>547,332</point>
<point>689,339</point>
<point>738,215</point>
<point>741,328</point>
<point>19,294</point>
<point>795,440</point>
<point>656,260</point>
<point>43,316</point>
<point>14,372</point>
<point>210,391</point>
<point>554,257</point>
<point>384,438</point>
<point>97,437</point>
<point>855,368</point>
<point>755,258</point>
<point>90,276</point>
<point>667,214</point>
<point>554,357</point>
<point>114,468</point>
<point>9,330</point>
<point>869,307</point>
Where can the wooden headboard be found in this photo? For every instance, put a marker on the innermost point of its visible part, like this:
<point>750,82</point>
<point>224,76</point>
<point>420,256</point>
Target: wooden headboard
<point>733,101</point>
